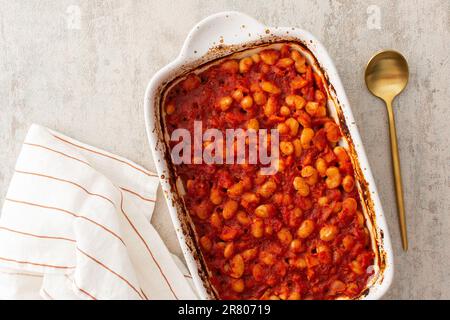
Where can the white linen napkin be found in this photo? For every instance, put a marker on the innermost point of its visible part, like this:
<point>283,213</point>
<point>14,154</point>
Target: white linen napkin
<point>76,225</point>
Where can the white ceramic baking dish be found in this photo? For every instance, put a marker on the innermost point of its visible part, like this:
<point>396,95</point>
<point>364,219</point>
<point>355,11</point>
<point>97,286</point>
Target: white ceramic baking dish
<point>229,33</point>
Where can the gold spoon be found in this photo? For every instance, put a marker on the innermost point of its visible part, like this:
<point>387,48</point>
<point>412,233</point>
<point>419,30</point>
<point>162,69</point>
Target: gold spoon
<point>386,76</point>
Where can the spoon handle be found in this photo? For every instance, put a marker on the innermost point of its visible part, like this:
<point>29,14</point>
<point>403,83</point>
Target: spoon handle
<point>397,175</point>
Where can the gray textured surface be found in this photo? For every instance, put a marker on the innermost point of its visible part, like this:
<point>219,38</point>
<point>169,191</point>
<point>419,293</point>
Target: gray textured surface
<point>89,83</point>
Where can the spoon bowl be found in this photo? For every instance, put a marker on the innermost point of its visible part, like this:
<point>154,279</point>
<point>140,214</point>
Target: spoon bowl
<point>386,76</point>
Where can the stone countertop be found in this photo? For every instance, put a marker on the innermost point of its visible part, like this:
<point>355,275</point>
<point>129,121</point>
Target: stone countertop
<point>81,67</point>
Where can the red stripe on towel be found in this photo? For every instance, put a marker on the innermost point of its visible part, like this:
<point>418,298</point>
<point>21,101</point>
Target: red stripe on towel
<point>112,271</point>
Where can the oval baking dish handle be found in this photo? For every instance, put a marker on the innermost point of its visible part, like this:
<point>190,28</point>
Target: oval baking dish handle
<point>224,28</point>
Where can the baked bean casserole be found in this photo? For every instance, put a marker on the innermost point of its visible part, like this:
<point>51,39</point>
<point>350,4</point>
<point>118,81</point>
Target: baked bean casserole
<point>296,234</point>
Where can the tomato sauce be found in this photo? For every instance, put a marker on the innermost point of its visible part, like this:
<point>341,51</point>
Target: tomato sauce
<point>298,234</point>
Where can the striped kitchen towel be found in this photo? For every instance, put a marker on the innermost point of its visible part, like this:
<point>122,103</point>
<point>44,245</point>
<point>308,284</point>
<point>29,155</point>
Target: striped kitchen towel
<point>76,225</point>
